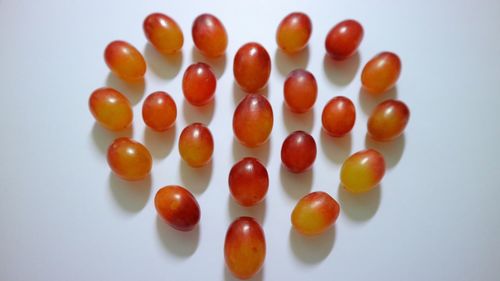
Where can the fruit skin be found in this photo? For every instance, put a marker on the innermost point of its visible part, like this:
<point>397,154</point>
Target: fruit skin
<point>381,73</point>
<point>163,33</point>
<point>199,84</point>
<point>298,151</point>
<point>248,181</point>
<point>388,120</point>
<point>315,213</point>
<point>196,145</point>
<point>252,67</point>
<point>300,90</point>
<point>128,159</point>
<point>253,120</point>
<point>178,207</point>
<point>362,171</point>
<point>244,247</point>
<point>111,109</point>
<point>339,116</point>
<point>159,111</point>
<point>294,32</point>
<point>343,39</point>
<point>209,35</point>
<point>125,61</point>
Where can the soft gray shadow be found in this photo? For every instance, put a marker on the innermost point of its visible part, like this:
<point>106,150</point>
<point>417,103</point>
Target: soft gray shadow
<point>312,249</point>
<point>196,179</point>
<point>180,243</point>
<point>341,73</point>
<point>133,90</point>
<point>336,149</point>
<point>285,63</point>
<point>164,66</point>
<point>203,114</point>
<point>160,143</point>
<point>392,150</point>
<point>239,94</point>
<point>359,207</point>
<point>261,152</point>
<point>369,101</point>
<point>236,210</point>
<point>259,276</point>
<point>218,64</point>
<point>103,137</point>
<point>131,196</point>
<point>297,121</point>
<point>296,185</point>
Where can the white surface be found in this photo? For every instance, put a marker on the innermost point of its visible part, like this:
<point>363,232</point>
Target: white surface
<point>64,216</point>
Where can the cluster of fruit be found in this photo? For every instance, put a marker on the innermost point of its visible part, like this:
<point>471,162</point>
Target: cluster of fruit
<point>245,245</point>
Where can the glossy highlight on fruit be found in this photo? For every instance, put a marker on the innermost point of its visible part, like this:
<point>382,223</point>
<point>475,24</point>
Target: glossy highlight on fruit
<point>209,35</point>
<point>196,145</point>
<point>159,111</point>
<point>343,39</point>
<point>252,67</point>
<point>198,84</point>
<point>163,33</point>
<point>111,109</point>
<point>248,181</point>
<point>388,120</point>
<point>128,159</point>
<point>315,213</point>
<point>125,61</point>
<point>178,207</point>
<point>253,120</point>
<point>294,32</point>
<point>338,116</point>
<point>381,73</point>
<point>244,247</point>
<point>362,171</point>
<point>298,151</point>
<point>300,90</point>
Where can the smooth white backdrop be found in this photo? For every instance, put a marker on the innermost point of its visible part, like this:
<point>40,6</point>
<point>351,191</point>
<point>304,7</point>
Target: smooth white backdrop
<point>64,216</point>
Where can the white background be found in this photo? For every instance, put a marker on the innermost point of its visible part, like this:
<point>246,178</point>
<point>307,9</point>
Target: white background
<point>64,216</point>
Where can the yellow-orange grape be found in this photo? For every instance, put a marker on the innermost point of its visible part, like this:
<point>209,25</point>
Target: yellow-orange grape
<point>128,159</point>
<point>315,213</point>
<point>338,116</point>
<point>199,84</point>
<point>294,32</point>
<point>125,61</point>
<point>244,247</point>
<point>111,109</point>
<point>300,90</point>
<point>381,73</point>
<point>196,145</point>
<point>163,33</point>
<point>159,111</point>
<point>362,171</point>
<point>209,35</point>
<point>253,120</point>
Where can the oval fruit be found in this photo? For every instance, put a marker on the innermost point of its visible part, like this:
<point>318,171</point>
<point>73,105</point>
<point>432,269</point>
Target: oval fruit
<point>300,90</point>
<point>209,35</point>
<point>111,109</point>
<point>248,181</point>
<point>125,61</point>
<point>163,33</point>
<point>196,145</point>
<point>381,73</point>
<point>253,120</point>
<point>362,171</point>
<point>388,120</point>
<point>338,116</point>
<point>128,159</point>
<point>315,213</point>
<point>343,39</point>
<point>244,247</point>
<point>294,32</point>
<point>159,111</point>
<point>252,67</point>
<point>178,207</point>
<point>298,151</point>
<point>198,84</point>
